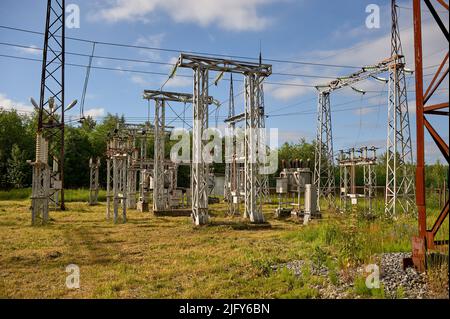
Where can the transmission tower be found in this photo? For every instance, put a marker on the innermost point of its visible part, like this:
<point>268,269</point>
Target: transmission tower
<point>399,156</point>
<point>48,183</point>
<point>324,162</point>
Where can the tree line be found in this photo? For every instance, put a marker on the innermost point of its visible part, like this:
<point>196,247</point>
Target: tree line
<point>88,139</point>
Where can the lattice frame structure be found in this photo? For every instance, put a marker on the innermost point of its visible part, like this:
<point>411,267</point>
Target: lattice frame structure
<point>324,161</point>
<point>425,240</point>
<point>324,165</point>
<point>94,166</point>
<point>399,157</point>
<point>51,101</point>
<point>348,161</point>
<point>254,74</point>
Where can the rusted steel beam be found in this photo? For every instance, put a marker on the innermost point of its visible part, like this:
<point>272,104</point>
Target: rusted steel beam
<point>435,107</point>
<point>441,66</point>
<point>420,169</point>
<point>443,147</point>
<point>437,18</point>
<point>442,2</point>
<point>440,219</point>
<point>432,90</point>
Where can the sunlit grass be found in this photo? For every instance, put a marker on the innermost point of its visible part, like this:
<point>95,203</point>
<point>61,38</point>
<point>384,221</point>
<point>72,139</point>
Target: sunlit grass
<point>166,257</point>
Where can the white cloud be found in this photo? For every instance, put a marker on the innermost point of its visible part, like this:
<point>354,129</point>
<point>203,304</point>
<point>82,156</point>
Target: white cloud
<point>153,41</point>
<point>9,104</point>
<point>179,82</point>
<point>176,82</point>
<point>236,15</point>
<point>32,49</point>
<point>366,52</point>
<point>288,91</point>
<point>140,80</point>
<point>95,112</point>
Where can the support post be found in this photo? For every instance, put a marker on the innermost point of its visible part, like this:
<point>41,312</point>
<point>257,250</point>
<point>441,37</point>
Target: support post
<point>200,169</point>
<point>253,179</point>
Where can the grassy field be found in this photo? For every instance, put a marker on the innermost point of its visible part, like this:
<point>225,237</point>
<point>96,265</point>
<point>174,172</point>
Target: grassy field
<point>166,257</point>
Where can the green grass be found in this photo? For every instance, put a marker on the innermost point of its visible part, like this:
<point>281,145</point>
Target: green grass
<point>70,195</point>
<point>166,257</point>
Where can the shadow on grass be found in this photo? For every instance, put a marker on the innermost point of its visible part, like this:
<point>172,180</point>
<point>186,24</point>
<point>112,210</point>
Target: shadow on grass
<point>239,225</point>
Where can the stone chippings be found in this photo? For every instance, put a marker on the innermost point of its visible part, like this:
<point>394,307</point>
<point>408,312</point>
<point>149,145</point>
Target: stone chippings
<point>392,277</point>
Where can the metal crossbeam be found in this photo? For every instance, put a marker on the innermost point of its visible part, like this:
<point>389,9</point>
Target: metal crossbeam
<point>370,71</point>
<point>223,65</point>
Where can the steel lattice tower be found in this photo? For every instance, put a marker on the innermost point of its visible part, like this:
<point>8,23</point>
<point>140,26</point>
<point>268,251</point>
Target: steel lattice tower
<point>48,180</point>
<point>324,162</point>
<point>230,163</point>
<point>51,102</point>
<point>399,156</point>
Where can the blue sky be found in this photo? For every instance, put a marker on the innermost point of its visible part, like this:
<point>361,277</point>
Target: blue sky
<point>322,31</point>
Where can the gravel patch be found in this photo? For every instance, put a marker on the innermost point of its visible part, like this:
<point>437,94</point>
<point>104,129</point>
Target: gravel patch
<point>397,283</point>
<point>394,278</point>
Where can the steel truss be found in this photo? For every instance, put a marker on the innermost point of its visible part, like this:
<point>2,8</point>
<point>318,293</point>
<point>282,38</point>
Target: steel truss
<point>324,162</point>
<point>424,109</point>
<point>160,199</point>
<point>254,74</point>
<point>230,186</point>
<point>399,157</point>
<point>93,180</point>
<point>324,166</point>
<point>348,161</point>
<point>51,113</point>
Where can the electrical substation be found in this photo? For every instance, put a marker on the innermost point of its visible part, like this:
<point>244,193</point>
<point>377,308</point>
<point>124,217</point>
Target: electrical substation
<point>138,171</point>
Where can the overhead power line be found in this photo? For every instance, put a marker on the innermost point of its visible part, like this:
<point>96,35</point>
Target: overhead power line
<point>188,51</point>
<point>145,72</point>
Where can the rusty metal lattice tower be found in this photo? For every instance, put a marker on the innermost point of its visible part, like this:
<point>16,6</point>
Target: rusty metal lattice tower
<point>424,108</point>
<point>399,156</point>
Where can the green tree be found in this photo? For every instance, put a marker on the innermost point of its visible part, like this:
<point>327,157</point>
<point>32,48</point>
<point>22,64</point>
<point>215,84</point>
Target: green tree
<point>17,167</point>
<point>14,130</point>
